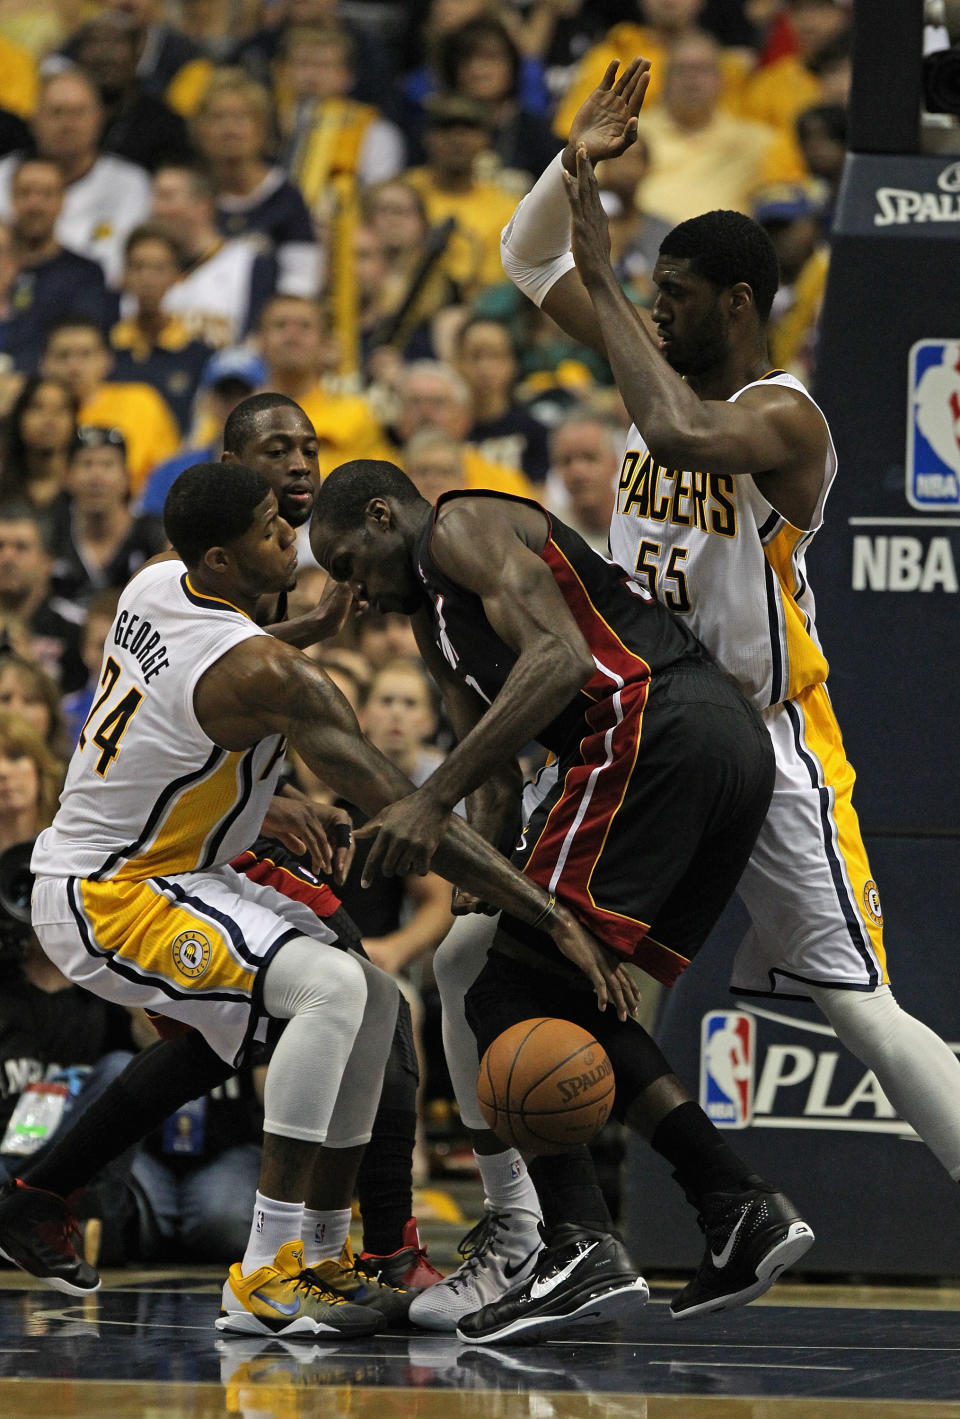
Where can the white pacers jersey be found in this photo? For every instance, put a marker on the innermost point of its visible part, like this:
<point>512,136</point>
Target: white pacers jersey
<point>147,792</point>
<point>711,548</point>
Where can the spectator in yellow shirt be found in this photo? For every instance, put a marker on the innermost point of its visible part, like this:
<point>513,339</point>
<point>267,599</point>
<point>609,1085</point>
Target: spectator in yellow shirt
<point>19,71</point>
<point>456,138</point>
<point>779,92</point>
<point>702,158</point>
<point>662,24</point>
<point>297,351</point>
<point>76,352</point>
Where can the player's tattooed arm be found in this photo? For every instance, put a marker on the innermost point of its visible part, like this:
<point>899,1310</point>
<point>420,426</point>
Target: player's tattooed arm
<point>262,687</point>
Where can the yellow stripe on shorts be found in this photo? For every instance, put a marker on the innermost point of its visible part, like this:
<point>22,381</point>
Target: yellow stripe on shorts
<point>161,940</point>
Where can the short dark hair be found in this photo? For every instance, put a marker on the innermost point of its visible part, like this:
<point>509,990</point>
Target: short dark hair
<point>240,426</point>
<point>74,322</point>
<point>211,505</point>
<point>725,248</point>
<point>460,45</point>
<point>154,231</point>
<point>833,116</point>
<point>346,491</point>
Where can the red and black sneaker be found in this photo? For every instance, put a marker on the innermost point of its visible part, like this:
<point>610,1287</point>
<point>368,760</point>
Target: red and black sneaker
<point>409,1266</point>
<point>39,1233</point>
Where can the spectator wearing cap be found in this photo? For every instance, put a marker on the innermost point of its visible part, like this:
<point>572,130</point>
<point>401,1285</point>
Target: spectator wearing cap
<point>224,281</point>
<point>138,125</point>
<point>105,196</point>
<point>456,137</point>
<point>99,543</point>
<point>77,352</point>
<point>229,376</point>
<point>790,216</point>
<point>50,279</point>
<point>153,346</point>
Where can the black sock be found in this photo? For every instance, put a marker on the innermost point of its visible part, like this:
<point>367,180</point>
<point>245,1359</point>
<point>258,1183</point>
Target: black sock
<point>701,1160</point>
<point>384,1182</point>
<point>154,1084</point>
<point>568,1190</point>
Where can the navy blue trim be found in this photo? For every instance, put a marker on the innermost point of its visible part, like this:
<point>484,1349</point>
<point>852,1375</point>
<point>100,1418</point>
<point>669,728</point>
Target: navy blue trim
<point>119,966</point>
<point>157,811</point>
<point>777,686</point>
<point>209,603</point>
<point>202,908</point>
<point>765,528</point>
<point>855,928</point>
<point>257,1009</point>
<point>246,781</point>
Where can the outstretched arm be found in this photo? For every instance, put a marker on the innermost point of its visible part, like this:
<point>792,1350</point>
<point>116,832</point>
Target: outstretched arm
<point>263,687</point>
<point>535,246</point>
<point>771,431</point>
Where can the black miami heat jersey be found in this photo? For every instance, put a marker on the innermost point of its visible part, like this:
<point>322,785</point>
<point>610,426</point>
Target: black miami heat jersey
<point>630,635</point>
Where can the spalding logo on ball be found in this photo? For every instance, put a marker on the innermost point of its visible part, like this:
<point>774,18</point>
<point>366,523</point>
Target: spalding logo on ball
<point>545,1086</point>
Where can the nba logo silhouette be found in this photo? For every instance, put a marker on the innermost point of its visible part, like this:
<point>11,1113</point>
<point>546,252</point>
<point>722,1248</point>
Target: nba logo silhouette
<point>726,1068</point>
<point>933,426</point>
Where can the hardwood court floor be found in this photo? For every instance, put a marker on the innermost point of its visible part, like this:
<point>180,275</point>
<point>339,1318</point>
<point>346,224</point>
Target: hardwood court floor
<point>145,1347</point>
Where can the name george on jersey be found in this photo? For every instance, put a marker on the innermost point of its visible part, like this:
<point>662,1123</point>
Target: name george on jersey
<point>136,634</point>
<point>701,500</point>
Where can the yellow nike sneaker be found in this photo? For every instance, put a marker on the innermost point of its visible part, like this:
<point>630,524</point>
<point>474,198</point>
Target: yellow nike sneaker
<point>343,1277</point>
<point>283,1299</point>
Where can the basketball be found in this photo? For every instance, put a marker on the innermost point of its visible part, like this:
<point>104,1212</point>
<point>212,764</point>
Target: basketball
<point>545,1086</point>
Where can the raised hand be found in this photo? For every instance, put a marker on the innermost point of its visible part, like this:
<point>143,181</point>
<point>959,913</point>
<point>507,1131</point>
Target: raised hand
<point>589,229</point>
<point>606,122</point>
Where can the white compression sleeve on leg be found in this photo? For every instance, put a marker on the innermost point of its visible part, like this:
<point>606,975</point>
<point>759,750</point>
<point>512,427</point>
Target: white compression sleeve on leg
<point>457,962</point>
<point>321,992</point>
<point>919,1074</point>
<point>535,243</point>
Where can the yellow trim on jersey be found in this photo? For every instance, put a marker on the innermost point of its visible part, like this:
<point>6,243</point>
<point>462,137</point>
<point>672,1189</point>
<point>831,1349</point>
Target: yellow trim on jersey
<point>161,940</point>
<point>805,663</point>
<point>188,822</point>
<point>823,739</point>
<point>208,596</point>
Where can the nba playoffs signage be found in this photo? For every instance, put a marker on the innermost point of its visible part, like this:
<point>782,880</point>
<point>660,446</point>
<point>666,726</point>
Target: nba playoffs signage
<point>793,1080</point>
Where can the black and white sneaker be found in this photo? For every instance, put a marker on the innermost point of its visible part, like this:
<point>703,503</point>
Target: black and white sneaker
<point>752,1236</point>
<point>582,1277</point>
<point>39,1233</point>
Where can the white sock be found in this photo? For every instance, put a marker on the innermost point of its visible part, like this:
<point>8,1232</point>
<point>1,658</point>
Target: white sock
<point>273,1224</point>
<point>506,1182</point>
<point>324,1233</point>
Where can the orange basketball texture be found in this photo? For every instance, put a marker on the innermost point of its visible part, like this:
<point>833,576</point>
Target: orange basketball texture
<point>545,1086</point>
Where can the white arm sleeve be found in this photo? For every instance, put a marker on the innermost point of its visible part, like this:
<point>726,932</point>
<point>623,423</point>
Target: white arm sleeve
<point>535,243</point>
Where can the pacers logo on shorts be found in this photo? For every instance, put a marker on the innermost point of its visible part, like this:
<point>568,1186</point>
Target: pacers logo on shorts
<point>727,1052</point>
<point>871,902</point>
<point>191,954</point>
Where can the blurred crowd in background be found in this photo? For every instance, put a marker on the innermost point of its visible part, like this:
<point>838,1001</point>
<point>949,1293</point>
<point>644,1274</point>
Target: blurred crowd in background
<point>204,199</point>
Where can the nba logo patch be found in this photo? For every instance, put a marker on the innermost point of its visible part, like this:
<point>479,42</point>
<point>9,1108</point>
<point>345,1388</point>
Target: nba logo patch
<point>933,426</point>
<point>260,1220</point>
<point>727,1052</point>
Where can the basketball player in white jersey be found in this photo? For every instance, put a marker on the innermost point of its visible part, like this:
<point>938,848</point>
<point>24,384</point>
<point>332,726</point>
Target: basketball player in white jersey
<point>722,487</point>
<point>134,898</point>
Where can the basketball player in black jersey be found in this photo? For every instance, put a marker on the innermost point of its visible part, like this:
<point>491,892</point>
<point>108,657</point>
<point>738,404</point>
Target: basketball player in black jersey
<point>664,775</point>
